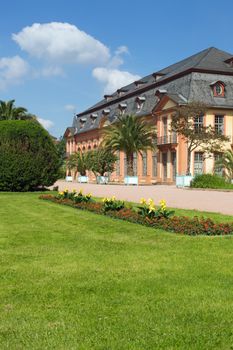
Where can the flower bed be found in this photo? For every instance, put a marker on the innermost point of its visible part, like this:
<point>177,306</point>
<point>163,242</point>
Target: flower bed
<point>146,214</point>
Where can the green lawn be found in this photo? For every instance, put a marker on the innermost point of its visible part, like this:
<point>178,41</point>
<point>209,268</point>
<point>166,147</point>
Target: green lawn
<point>75,280</point>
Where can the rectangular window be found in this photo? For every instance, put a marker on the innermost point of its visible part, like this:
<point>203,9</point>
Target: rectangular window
<point>218,170</point>
<point>164,162</point>
<point>154,164</point>
<point>165,126</point>
<point>174,166</point>
<point>144,164</point>
<point>198,163</point>
<point>219,124</point>
<point>198,123</point>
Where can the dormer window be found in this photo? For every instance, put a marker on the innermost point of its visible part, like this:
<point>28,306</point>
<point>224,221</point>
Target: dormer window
<point>139,103</point>
<point>82,122</point>
<point>218,88</point>
<point>157,76</point>
<point>122,108</point>
<point>108,97</point>
<point>93,117</point>
<point>121,92</point>
<point>106,111</point>
<point>160,93</point>
<point>139,83</point>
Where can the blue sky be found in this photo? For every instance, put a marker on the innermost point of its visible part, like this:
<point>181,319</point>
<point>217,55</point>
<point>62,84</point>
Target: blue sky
<point>60,57</point>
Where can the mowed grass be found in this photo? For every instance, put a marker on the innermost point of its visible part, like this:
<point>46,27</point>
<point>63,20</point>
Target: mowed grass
<point>75,280</point>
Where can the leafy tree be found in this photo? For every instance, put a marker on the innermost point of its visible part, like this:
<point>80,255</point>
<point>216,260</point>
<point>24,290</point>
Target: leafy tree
<point>131,135</point>
<point>28,157</point>
<point>79,161</point>
<point>61,149</point>
<point>203,137</point>
<point>8,111</point>
<point>103,161</point>
<point>226,162</point>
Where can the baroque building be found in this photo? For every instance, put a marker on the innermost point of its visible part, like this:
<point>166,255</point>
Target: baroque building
<point>206,76</point>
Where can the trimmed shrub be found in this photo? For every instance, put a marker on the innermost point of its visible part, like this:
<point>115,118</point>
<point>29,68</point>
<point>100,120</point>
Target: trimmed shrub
<point>210,181</point>
<point>28,156</point>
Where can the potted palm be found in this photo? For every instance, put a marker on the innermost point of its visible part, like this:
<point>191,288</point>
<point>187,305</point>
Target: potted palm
<point>226,162</point>
<point>69,177</point>
<point>131,135</point>
<point>80,162</point>
<point>102,164</point>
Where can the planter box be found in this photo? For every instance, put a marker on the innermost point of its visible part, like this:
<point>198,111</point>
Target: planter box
<point>69,178</point>
<point>102,180</point>
<point>131,180</point>
<point>183,180</point>
<point>83,179</point>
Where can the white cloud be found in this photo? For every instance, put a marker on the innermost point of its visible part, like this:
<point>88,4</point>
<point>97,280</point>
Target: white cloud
<point>117,59</point>
<point>121,49</point>
<point>61,43</point>
<point>52,71</point>
<point>58,44</point>
<point>12,71</point>
<point>70,108</point>
<point>113,78</point>
<point>46,123</point>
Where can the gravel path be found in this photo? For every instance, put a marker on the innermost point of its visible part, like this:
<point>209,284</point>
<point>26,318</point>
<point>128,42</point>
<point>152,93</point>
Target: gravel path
<point>206,200</point>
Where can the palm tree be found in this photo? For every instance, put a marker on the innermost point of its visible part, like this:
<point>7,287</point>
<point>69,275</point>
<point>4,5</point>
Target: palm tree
<point>226,162</point>
<point>9,112</point>
<point>79,161</point>
<point>131,135</point>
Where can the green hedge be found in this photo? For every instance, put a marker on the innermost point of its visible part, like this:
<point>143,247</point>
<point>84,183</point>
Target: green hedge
<point>28,157</point>
<point>210,181</point>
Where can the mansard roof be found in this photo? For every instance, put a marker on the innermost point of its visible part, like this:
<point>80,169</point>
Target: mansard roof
<point>183,81</point>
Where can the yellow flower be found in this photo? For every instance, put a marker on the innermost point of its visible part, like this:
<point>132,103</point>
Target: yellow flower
<point>143,201</point>
<point>163,204</point>
<point>61,193</point>
<point>81,191</point>
<point>89,195</point>
<point>113,198</point>
<point>150,201</point>
<point>66,190</point>
<point>151,208</point>
<point>74,190</point>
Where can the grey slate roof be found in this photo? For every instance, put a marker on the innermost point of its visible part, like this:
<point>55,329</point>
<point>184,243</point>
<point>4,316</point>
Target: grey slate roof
<point>187,80</point>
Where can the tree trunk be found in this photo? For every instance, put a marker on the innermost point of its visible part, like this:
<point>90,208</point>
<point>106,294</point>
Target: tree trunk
<point>129,161</point>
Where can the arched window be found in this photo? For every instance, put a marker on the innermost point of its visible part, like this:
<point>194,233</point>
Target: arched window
<point>218,88</point>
